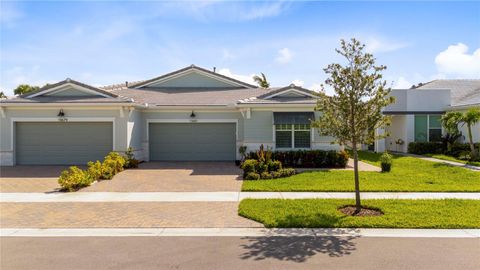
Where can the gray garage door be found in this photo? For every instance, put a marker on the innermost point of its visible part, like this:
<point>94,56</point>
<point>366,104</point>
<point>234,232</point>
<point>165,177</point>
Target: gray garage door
<point>192,141</point>
<point>54,143</point>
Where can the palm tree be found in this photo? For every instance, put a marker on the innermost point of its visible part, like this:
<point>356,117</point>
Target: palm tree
<point>470,118</point>
<point>261,81</point>
<point>450,122</point>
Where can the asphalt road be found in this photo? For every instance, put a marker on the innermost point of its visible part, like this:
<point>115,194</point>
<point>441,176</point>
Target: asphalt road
<point>238,253</point>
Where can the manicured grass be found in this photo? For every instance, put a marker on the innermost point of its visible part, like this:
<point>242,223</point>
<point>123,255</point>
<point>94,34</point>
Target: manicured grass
<point>408,174</point>
<point>323,213</point>
<point>450,158</point>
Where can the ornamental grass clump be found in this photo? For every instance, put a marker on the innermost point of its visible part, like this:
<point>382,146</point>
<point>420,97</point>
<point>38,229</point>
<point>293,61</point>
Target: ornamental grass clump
<point>386,161</point>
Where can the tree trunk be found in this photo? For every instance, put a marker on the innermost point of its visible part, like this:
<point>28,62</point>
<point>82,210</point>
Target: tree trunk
<point>358,205</point>
<point>470,141</point>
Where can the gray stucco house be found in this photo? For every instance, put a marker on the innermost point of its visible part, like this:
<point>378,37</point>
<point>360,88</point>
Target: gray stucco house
<point>417,112</point>
<point>189,114</point>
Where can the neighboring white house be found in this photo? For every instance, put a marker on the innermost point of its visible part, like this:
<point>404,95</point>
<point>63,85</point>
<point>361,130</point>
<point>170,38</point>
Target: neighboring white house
<point>416,113</point>
<point>189,114</point>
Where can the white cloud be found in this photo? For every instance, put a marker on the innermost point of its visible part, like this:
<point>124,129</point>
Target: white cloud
<point>298,82</point>
<point>229,10</point>
<point>284,56</point>
<point>456,61</point>
<point>317,87</point>
<point>402,83</point>
<point>227,55</point>
<point>379,45</point>
<point>243,78</point>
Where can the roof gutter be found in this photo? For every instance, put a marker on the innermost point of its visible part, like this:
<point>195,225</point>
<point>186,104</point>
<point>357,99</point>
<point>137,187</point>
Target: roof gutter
<point>71,104</point>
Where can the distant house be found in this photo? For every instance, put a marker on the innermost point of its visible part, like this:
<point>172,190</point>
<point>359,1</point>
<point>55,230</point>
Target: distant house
<point>416,113</point>
<point>188,114</point>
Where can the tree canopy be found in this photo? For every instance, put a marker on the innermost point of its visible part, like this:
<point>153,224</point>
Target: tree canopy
<point>24,89</point>
<point>354,112</point>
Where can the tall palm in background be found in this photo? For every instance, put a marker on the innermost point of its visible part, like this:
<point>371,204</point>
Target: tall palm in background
<point>261,81</point>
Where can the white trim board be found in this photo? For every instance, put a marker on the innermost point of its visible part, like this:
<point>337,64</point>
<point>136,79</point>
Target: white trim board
<point>190,71</point>
<point>300,93</point>
<point>63,87</point>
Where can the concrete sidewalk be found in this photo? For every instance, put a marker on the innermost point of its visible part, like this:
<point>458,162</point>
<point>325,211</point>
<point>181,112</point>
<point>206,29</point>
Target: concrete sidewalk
<point>227,232</point>
<point>453,163</point>
<point>220,196</point>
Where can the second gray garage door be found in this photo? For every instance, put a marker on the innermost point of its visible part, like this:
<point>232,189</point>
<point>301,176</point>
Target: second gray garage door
<point>55,143</point>
<point>192,141</point>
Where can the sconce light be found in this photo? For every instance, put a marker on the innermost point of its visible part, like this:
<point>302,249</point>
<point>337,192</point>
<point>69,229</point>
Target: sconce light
<point>192,115</point>
<point>61,113</point>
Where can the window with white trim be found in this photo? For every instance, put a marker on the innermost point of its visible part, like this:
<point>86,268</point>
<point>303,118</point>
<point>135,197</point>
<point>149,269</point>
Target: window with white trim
<point>292,136</point>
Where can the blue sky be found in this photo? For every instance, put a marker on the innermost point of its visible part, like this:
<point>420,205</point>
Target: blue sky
<point>108,42</point>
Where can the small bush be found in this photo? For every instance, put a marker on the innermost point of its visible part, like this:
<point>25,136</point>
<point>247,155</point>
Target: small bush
<point>252,176</point>
<point>421,148</point>
<point>112,164</point>
<point>276,174</point>
<point>95,169</point>
<point>262,167</point>
<point>287,172</point>
<point>130,160</point>
<point>266,175</point>
<point>274,166</point>
<point>249,166</point>
<point>74,178</point>
<point>386,161</point>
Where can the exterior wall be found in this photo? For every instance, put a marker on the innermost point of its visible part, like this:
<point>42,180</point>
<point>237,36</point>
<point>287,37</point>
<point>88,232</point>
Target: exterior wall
<point>414,100</point>
<point>69,92</point>
<point>7,135</point>
<point>135,133</point>
<point>397,130</point>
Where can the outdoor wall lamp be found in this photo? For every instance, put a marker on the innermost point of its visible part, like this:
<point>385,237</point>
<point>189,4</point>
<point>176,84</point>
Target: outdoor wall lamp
<point>61,113</point>
<point>192,115</point>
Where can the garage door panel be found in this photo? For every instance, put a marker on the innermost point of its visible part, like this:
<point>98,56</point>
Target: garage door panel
<point>192,141</point>
<point>62,143</point>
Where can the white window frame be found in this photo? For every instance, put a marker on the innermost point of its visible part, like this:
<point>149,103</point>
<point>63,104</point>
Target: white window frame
<point>292,130</point>
<point>428,126</point>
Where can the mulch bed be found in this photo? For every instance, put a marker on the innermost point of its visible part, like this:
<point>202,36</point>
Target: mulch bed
<point>349,210</point>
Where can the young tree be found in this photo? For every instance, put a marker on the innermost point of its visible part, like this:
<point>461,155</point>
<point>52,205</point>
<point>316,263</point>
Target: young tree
<point>25,88</point>
<point>356,108</point>
<point>470,118</point>
<point>261,81</point>
<point>2,95</point>
<point>450,122</point>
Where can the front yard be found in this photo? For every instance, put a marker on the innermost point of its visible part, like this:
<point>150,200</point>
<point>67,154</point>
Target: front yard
<point>450,158</point>
<point>323,213</point>
<point>408,174</point>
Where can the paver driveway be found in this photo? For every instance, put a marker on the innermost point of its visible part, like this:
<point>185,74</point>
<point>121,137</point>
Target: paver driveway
<point>150,177</point>
<point>30,178</point>
<point>174,176</point>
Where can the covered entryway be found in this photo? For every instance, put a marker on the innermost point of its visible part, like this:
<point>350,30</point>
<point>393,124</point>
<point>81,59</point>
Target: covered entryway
<point>62,143</point>
<point>192,141</point>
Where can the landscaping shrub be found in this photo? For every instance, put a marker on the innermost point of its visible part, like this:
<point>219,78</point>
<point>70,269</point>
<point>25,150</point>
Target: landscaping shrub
<point>130,160</point>
<point>252,176</point>
<point>306,158</point>
<point>421,148</point>
<point>249,166</point>
<point>95,170</point>
<point>287,172</point>
<point>115,161</point>
<point>274,166</point>
<point>74,178</point>
<point>386,161</point>
<point>266,175</point>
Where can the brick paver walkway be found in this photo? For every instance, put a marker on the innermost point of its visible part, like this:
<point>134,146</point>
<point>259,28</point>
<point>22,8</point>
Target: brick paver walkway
<point>30,178</point>
<point>122,215</point>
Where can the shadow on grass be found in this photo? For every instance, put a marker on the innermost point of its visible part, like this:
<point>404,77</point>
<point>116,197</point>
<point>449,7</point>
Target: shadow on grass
<point>297,246</point>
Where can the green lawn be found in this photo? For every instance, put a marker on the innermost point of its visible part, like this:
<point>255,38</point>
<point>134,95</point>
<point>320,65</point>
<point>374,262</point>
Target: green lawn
<point>450,158</point>
<point>323,213</point>
<point>408,174</point>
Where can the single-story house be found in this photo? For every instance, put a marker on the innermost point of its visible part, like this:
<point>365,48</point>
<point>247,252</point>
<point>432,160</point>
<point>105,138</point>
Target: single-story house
<point>189,114</point>
<point>194,114</point>
<point>417,112</point>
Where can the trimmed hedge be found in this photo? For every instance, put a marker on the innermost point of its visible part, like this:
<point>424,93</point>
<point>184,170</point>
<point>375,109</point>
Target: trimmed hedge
<point>421,148</point>
<point>255,170</point>
<point>308,158</point>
